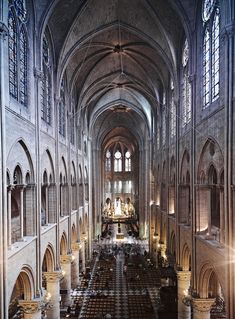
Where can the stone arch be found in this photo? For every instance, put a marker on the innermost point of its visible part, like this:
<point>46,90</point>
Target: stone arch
<point>210,197</point>
<point>24,287</point>
<point>184,168</point>
<point>19,155</point>
<point>64,170</point>
<point>48,263</point>
<point>47,165</point>
<point>185,258</point>
<point>63,244</point>
<point>80,182</point>
<point>184,190</point>
<point>209,286</point>
<point>211,153</point>
<point>74,234</point>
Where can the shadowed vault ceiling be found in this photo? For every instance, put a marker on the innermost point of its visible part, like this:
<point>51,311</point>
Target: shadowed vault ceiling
<point>118,57</point>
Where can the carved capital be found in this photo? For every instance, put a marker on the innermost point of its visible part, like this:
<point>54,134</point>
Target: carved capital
<point>75,246</point>
<point>66,259</point>
<point>53,276</point>
<point>184,275</point>
<point>202,304</point>
<point>30,306</point>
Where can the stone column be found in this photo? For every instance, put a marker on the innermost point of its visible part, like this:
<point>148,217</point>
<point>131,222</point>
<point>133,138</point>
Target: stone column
<point>83,257</point>
<point>53,289</point>
<point>31,308</point>
<point>184,309</point>
<point>75,265</point>
<point>65,261</point>
<point>202,308</point>
<point>22,213</point>
<point>9,215</point>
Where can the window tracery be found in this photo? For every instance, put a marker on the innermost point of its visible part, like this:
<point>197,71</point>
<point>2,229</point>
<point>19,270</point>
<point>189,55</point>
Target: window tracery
<point>46,83</point>
<point>18,51</point>
<point>186,87</point>
<point>211,47</point>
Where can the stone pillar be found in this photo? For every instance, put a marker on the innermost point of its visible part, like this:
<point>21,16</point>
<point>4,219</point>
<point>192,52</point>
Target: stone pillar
<point>65,261</point>
<point>31,308</point>
<point>184,309</point>
<point>202,308</point>
<point>9,215</point>
<point>53,289</point>
<point>83,257</point>
<point>22,213</point>
<point>75,265</point>
<point>47,206</point>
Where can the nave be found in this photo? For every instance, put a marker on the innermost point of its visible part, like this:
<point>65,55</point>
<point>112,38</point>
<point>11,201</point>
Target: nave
<point>121,282</point>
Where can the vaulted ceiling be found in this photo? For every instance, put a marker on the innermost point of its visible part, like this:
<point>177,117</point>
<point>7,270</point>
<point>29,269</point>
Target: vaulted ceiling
<point>118,57</point>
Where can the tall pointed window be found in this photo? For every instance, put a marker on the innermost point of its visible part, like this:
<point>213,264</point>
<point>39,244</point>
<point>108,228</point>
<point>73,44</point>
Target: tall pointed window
<point>18,51</point>
<point>72,122</point>
<point>108,162</point>
<point>211,46</point>
<point>46,82</point>
<point>117,161</point>
<point>172,112</point>
<point>62,110</point>
<point>127,161</point>
<point>186,87</point>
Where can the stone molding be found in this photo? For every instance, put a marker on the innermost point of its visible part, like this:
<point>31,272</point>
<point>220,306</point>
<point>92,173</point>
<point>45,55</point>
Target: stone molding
<point>53,276</point>
<point>30,306</point>
<point>202,304</point>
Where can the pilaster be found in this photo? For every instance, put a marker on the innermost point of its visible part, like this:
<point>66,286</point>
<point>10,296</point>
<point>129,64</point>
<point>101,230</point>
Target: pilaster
<point>184,309</point>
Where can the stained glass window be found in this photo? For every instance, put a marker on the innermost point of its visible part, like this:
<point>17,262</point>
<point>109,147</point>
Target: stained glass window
<point>127,161</point>
<point>108,161</point>
<point>17,50</point>
<point>12,48</point>
<point>46,83</point>
<point>211,47</point>
<point>117,161</point>
<point>23,68</point>
<point>186,88</point>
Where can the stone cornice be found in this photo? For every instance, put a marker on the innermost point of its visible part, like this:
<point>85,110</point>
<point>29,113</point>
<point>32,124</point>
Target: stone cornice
<point>203,304</point>
<point>53,276</point>
<point>30,306</point>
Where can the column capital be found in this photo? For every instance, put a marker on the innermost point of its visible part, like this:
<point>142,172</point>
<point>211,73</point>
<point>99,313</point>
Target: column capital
<point>65,259</point>
<point>75,246</point>
<point>30,306</point>
<point>53,276</point>
<point>183,275</point>
<point>202,304</point>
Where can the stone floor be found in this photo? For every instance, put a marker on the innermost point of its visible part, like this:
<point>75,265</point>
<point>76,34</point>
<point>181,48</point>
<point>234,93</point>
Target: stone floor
<point>121,283</point>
